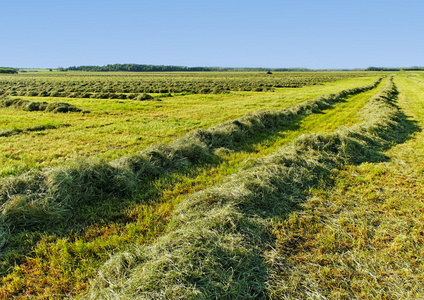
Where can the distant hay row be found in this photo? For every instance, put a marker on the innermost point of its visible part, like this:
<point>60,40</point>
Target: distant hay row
<point>26,105</point>
<point>129,87</point>
<point>216,242</point>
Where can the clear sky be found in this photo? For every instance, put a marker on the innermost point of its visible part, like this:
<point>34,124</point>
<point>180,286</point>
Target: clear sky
<point>226,33</point>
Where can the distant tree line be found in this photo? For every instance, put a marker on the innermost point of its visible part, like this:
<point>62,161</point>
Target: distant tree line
<point>394,69</point>
<point>8,70</point>
<point>161,68</point>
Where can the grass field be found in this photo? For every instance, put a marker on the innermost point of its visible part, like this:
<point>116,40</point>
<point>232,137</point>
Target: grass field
<point>274,213</point>
<point>119,127</point>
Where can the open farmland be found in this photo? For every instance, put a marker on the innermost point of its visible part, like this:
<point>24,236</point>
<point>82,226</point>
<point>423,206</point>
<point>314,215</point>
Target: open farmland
<point>117,127</point>
<point>221,185</point>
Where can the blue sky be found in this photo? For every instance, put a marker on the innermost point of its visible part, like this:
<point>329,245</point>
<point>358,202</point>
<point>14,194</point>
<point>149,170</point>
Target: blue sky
<point>231,33</point>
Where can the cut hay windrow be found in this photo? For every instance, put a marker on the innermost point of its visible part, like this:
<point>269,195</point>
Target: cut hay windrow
<point>42,197</point>
<point>215,244</point>
<point>26,105</point>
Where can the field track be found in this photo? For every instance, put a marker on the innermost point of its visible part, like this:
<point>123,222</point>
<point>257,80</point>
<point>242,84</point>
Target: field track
<point>268,220</point>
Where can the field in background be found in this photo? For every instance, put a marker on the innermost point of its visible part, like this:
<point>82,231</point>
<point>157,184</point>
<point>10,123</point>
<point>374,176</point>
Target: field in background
<point>58,262</point>
<point>117,127</point>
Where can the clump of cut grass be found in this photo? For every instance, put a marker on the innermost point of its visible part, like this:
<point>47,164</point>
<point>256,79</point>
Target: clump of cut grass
<point>55,107</point>
<point>215,242</point>
<point>45,197</point>
<point>212,246</point>
<point>144,97</point>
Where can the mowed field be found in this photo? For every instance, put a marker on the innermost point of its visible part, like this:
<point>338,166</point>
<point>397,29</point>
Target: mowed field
<point>117,127</point>
<point>220,185</point>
